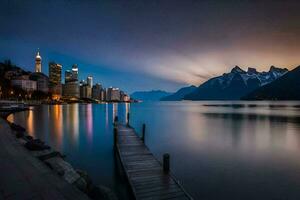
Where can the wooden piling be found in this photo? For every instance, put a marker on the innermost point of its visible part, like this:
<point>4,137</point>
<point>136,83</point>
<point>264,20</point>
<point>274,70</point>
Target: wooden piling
<point>166,162</point>
<point>116,119</point>
<point>115,136</point>
<point>143,132</point>
<point>128,118</point>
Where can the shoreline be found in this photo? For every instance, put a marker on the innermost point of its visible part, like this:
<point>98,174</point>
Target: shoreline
<point>55,161</point>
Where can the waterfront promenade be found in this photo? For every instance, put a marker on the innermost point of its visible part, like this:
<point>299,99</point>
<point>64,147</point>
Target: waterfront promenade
<point>23,176</point>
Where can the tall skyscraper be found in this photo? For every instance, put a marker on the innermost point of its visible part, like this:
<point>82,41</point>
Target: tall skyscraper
<point>89,81</point>
<point>71,86</point>
<point>38,62</point>
<point>75,72</point>
<point>54,73</point>
<point>68,76</point>
<point>96,91</point>
<point>55,86</point>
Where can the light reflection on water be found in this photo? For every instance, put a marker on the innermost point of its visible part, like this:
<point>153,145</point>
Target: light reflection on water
<point>218,150</point>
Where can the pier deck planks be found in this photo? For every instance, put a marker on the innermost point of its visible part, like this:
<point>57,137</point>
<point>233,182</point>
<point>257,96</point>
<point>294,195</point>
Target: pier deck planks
<point>145,174</point>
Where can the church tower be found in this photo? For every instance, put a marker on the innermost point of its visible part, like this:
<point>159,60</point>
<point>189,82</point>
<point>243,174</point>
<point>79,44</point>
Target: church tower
<point>38,62</point>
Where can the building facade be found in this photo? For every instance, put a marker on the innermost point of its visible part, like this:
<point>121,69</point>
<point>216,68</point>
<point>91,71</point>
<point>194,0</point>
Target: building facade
<point>96,91</point>
<point>42,81</point>
<point>55,86</point>
<point>113,94</point>
<point>85,91</point>
<point>68,76</point>
<point>89,81</point>
<point>25,84</point>
<point>56,91</point>
<point>55,73</point>
<point>102,95</point>
<point>71,87</point>
<point>71,90</point>
<point>38,62</point>
<point>75,73</point>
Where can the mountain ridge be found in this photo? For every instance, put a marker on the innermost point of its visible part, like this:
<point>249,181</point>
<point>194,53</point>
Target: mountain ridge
<point>179,94</point>
<point>287,87</point>
<point>235,84</point>
<point>152,95</point>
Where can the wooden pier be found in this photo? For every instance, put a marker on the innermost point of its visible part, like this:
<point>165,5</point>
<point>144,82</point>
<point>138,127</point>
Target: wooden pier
<point>148,178</point>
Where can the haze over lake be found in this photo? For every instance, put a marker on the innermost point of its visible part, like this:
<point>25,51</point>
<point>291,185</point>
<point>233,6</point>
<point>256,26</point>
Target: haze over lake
<point>219,150</point>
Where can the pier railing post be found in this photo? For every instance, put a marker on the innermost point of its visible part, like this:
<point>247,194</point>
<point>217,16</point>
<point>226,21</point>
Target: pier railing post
<point>128,118</point>
<point>115,136</point>
<point>143,132</point>
<point>166,162</point>
<point>116,120</point>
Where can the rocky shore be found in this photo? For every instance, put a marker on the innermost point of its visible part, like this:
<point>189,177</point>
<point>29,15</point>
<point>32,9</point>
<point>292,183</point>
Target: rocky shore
<point>55,161</point>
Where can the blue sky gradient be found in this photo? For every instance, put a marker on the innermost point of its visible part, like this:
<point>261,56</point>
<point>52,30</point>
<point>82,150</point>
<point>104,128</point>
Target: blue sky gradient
<point>144,45</point>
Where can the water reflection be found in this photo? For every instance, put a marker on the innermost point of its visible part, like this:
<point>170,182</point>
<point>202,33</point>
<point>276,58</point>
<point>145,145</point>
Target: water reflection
<point>30,123</point>
<point>89,118</point>
<point>115,111</point>
<point>246,151</point>
<point>73,122</point>
<point>127,111</point>
<point>57,124</point>
<point>106,115</point>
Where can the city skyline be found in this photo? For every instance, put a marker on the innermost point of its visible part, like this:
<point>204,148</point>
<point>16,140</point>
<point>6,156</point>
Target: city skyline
<point>162,45</point>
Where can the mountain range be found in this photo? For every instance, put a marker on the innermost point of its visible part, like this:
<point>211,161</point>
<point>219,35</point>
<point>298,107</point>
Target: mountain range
<point>286,87</point>
<point>179,95</point>
<point>235,84</point>
<point>153,95</point>
<point>238,84</point>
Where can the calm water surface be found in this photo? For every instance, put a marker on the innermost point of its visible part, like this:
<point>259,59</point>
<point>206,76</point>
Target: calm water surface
<point>219,150</point>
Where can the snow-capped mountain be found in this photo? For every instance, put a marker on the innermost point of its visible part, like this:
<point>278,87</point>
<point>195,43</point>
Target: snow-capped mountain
<point>286,87</point>
<point>235,84</point>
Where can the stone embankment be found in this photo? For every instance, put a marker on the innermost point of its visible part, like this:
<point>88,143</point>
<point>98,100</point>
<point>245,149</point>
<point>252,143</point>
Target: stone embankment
<point>55,161</point>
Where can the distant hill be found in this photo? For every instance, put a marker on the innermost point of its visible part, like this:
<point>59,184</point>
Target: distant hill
<point>154,95</point>
<point>179,95</point>
<point>235,84</point>
<point>286,87</point>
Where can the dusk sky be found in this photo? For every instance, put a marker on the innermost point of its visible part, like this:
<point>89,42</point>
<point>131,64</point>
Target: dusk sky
<point>143,45</point>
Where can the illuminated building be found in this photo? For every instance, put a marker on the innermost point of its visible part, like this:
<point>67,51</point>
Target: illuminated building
<point>102,95</point>
<point>71,75</point>
<point>71,90</point>
<point>75,73</point>
<point>85,91</point>
<point>54,73</point>
<point>24,83</point>
<point>89,81</point>
<point>96,91</point>
<point>38,62</point>
<point>55,86</point>
<point>68,76</point>
<point>112,94</point>
<point>56,91</point>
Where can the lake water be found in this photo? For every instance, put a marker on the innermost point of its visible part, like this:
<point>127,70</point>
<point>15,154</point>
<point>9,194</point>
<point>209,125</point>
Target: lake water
<point>219,150</point>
